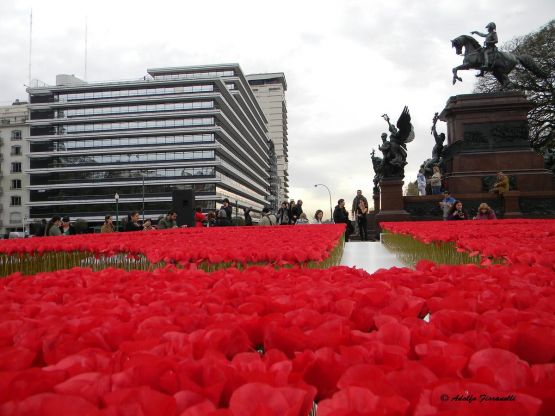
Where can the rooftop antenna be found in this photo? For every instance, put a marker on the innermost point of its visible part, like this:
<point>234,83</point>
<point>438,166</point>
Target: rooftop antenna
<point>30,44</point>
<point>86,45</point>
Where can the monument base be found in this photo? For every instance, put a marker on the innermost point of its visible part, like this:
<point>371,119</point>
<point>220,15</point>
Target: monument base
<point>391,201</point>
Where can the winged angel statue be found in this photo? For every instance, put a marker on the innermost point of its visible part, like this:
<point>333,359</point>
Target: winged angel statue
<point>395,150</point>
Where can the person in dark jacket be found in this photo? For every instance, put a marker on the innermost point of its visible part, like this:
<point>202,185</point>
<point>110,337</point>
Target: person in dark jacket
<point>66,228</point>
<point>248,219</point>
<point>457,212</point>
<point>297,211</point>
<point>228,211</point>
<point>132,223</point>
<point>341,216</point>
<point>283,214</point>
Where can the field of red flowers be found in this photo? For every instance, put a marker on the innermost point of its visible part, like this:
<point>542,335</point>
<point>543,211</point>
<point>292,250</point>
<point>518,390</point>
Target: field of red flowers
<point>434,340</point>
<point>516,241</point>
<point>190,247</point>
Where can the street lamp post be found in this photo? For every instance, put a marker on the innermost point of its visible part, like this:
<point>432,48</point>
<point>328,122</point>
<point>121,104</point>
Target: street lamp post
<point>143,175</point>
<point>331,212</point>
<point>116,196</point>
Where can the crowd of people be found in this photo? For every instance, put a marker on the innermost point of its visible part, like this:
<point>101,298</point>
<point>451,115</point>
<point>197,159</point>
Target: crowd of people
<point>289,213</point>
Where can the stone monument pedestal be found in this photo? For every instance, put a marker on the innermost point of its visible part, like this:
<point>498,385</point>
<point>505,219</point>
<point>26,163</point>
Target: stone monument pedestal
<point>486,134</point>
<point>391,201</point>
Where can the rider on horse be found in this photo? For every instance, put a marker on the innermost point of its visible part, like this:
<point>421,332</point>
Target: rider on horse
<point>489,47</point>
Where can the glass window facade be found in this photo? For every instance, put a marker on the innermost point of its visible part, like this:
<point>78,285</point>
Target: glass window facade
<point>152,209</point>
<point>118,175</point>
<point>96,139</point>
<point>135,125</point>
<point>132,92</point>
<point>100,143</point>
<point>125,158</point>
<point>130,109</point>
<point>124,191</point>
<point>195,75</point>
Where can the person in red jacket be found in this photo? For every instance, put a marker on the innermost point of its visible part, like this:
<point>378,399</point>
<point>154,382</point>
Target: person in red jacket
<point>199,217</point>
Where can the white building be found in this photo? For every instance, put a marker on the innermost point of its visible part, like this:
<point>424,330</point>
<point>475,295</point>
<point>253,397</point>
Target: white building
<point>198,128</point>
<point>14,182</point>
<point>269,90</point>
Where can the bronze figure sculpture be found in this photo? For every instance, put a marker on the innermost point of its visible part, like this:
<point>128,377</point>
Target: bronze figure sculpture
<point>489,59</point>
<point>395,150</point>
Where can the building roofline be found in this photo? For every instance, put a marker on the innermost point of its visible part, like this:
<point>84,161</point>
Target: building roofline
<point>268,76</point>
<point>172,69</point>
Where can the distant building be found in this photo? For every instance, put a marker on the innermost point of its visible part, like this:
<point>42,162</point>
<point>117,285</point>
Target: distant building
<point>269,90</point>
<point>14,182</point>
<point>197,128</point>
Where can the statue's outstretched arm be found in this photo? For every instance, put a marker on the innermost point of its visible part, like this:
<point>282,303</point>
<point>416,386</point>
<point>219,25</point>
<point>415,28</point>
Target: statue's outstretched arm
<point>479,33</point>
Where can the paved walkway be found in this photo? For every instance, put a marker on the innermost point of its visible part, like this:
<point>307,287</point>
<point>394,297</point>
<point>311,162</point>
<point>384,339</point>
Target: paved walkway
<point>369,255</point>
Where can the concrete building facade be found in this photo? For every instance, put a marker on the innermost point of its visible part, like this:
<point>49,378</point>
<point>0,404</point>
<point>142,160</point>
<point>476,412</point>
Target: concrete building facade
<point>269,90</point>
<point>14,181</point>
<point>197,128</point>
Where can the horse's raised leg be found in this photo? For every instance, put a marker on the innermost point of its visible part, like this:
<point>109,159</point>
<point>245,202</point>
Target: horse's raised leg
<point>455,76</point>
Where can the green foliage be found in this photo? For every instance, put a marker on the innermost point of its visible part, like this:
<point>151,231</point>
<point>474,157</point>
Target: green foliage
<point>410,251</point>
<point>540,46</point>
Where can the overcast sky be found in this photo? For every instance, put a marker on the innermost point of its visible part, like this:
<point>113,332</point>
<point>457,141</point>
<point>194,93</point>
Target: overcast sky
<point>346,63</point>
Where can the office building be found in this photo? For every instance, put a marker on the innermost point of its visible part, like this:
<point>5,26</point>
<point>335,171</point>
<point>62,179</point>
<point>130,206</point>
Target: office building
<point>14,163</point>
<point>197,128</point>
<point>269,90</point>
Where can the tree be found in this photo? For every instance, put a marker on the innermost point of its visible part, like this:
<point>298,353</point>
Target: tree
<point>540,92</point>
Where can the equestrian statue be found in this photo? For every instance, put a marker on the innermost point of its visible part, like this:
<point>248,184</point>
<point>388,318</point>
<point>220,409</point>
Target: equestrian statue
<point>489,59</point>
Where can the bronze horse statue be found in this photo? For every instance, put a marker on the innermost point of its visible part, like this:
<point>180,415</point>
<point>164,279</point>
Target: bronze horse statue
<point>502,62</point>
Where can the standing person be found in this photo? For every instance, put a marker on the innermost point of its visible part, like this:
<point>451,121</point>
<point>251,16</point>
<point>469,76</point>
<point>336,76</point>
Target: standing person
<point>267,217</point>
<point>356,201</point>
<point>132,223</point>
<point>108,226</point>
<point>501,185</point>
<point>228,210</point>
<point>362,219</point>
<point>199,217</point>
<point>297,211</point>
<point>318,217</point>
<point>485,213</point>
<point>446,203</point>
<point>341,216</point>
<point>66,228</point>
<point>421,182</point>
<point>283,214</point>
<point>435,181</point>
<point>457,212</point>
<point>292,207</point>
<point>53,227</point>
<point>169,221</point>
<point>359,213</point>
<point>248,219</point>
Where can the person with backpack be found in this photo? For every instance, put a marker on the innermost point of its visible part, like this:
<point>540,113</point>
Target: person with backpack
<point>267,217</point>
